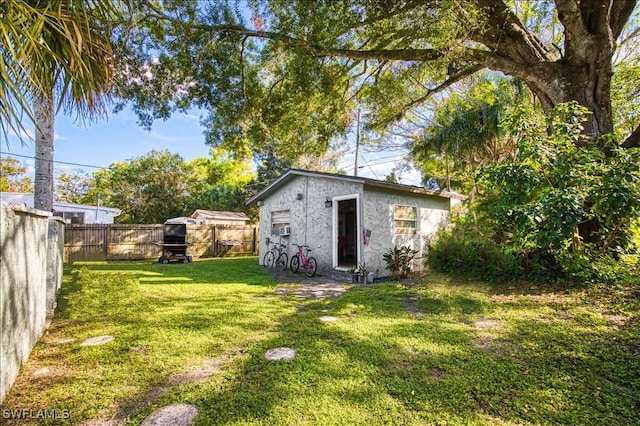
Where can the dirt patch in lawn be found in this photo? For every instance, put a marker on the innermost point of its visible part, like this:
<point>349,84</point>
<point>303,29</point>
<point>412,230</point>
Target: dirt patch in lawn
<point>324,284</point>
<point>409,305</point>
<point>311,290</point>
<point>209,367</point>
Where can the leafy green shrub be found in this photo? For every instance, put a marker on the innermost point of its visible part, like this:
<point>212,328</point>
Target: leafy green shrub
<point>563,207</point>
<point>468,251</point>
<point>399,260</point>
<point>566,199</point>
<point>603,269</point>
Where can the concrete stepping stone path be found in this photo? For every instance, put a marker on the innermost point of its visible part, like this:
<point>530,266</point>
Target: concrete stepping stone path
<point>278,354</point>
<point>172,415</point>
<point>99,340</point>
<point>42,372</point>
<point>327,318</point>
<point>316,290</point>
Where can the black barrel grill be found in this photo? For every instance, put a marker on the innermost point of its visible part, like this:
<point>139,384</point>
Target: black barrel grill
<point>174,243</point>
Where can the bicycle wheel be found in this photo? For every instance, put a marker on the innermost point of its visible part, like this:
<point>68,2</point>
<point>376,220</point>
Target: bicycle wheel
<point>311,267</point>
<point>295,263</point>
<point>282,262</point>
<point>268,260</point>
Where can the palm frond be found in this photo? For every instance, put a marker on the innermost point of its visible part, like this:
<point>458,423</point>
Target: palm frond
<point>62,46</point>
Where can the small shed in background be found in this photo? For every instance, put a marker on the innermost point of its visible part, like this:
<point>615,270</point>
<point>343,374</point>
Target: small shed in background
<point>182,219</point>
<point>212,217</point>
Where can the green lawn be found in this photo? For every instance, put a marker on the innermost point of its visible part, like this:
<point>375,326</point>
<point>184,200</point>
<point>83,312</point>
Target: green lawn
<point>443,351</point>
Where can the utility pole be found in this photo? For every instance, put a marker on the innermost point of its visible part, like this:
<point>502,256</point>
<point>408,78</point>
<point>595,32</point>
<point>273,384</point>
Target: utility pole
<point>355,170</point>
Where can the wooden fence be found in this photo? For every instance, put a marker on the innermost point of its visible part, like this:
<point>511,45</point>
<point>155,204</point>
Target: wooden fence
<point>137,242</point>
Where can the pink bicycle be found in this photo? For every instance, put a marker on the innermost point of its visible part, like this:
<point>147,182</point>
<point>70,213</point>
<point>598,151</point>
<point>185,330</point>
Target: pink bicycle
<point>301,258</point>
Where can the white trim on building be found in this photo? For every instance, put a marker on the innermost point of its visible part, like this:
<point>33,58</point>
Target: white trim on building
<point>70,213</point>
<point>351,221</point>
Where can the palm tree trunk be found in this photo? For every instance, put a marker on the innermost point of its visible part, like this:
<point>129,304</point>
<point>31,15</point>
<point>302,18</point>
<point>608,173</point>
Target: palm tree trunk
<point>43,183</point>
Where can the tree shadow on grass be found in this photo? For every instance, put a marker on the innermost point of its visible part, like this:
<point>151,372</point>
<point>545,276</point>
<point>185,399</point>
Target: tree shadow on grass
<point>240,270</point>
<point>156,334</point>
<point>383,365</point>
<point>397,370</point>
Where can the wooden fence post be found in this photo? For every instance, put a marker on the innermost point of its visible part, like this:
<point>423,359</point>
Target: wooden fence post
<point>255,241</point>
<point>107,240</point>
<point>214,242</point>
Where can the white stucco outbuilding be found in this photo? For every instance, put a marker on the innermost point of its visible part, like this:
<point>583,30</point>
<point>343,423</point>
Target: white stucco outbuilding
<point>348,220</point>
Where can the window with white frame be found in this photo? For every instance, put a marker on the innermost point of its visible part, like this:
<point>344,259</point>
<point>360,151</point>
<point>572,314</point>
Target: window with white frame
<point>280,222</point>
<point>71,217</point>
<point>405,219</point>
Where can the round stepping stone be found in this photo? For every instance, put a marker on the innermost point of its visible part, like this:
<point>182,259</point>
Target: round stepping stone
<point>41,372</point>
<point>172,415</point>
<point>486,323</point>
<point>94,341</point>
<point>328,318</point>
<point>280,353</point>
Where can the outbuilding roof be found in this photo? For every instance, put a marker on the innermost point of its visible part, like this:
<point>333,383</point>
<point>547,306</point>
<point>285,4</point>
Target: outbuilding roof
<point>219,215</point>
<point>293,173</point>
<point>27,199</point>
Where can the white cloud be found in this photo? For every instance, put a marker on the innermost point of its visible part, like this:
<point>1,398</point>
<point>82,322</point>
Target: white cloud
<point>23,134</point>
<point>189,117</point>
<point>171,138</point>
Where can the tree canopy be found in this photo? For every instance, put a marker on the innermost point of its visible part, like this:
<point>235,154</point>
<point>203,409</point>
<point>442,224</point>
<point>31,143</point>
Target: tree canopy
<point>467,131</point>
<point>13,176</point>
<point>160,185</point>
<point>287,75</point>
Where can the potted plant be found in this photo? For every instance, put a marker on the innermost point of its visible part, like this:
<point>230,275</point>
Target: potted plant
<point>353,275</point>
<point>362,273</point>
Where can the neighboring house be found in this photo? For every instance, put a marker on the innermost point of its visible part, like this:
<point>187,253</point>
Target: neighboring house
<point>211,217</point>
<point>347,220</point>
<point>71,213</point>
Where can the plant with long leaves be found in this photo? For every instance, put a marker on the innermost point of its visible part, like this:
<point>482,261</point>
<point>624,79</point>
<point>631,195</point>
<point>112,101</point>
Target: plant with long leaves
<point>60,46</point>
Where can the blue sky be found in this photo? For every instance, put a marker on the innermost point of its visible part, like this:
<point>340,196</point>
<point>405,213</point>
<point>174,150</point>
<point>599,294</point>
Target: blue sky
<point>117,138</point>
<point>120,138</point>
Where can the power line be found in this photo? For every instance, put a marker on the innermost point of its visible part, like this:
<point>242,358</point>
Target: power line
<point>347,168</point>
<point>385,162</point>
<point>53,161</point>
<point>370,168</point>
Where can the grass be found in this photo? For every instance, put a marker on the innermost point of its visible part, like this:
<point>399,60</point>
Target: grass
<point>441,351</point>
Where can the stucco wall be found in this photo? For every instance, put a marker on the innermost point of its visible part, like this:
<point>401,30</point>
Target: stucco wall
<point>55,258</point>
<point>23,287</point>
<point>312,223</point>
<point>433,214</point>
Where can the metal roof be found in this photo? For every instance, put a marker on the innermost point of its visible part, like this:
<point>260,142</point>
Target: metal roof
<point>27,199</point>
<point>293,173</point>
<point>221,215</point>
